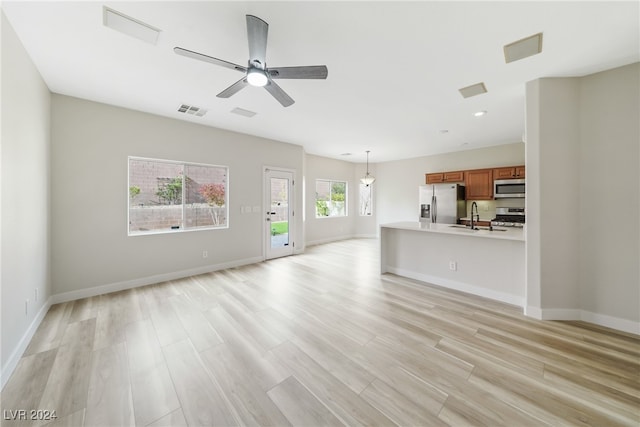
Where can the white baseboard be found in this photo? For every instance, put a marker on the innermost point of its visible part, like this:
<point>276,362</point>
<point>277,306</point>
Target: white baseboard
<point>560,314</point>
<point>458,286</point>
<point>149,280</point>
<point>17,353</point>
<point>339,238</point>
<point>611,322</point>
<point>531,311</point>
<point>607,321</point>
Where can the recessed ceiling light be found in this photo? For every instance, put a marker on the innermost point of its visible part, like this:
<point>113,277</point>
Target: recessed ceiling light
<point>243,112</point>
<point>345,154</point>
<point>523,48</point>
<point>479,113</point>
<point>129,26</point>
<point>473,90</point>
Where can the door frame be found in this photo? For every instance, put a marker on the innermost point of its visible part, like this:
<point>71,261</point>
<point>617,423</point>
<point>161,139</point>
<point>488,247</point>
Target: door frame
<point>266,191</point>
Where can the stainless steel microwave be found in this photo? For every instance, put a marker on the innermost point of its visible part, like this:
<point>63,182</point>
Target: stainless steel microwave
<point>509,188</point>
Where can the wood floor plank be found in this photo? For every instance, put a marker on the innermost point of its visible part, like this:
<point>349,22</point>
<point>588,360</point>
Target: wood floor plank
<point>68,383</point>
<point>346,405</point>
<point>200,332</point>
<point>174,419</point>
<point>109,401</point>
<point>152,390</point>
<point>251,403</point>
<point>249,323</point>
<point>264,370</point>
<point>72,420</point>
<point>399,408</point>
<point>300,406</point>
<point>201,399</point>
<point>26,386</point>
<point>52,328</point>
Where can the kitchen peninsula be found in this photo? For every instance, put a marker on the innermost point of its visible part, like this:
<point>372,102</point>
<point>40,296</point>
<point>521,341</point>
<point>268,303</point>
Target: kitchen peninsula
<point>486,263</point>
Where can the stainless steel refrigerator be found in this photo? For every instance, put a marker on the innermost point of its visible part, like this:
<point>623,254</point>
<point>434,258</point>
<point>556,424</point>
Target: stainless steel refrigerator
<point>442,203</point>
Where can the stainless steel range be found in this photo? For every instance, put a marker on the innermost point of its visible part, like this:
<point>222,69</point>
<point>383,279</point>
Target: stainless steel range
<point>508,217</point>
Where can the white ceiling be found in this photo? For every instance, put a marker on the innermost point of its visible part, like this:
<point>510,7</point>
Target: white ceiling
<point>394,67</point>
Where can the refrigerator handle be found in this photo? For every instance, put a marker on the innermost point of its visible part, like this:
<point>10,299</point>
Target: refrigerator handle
<point>434,209</point>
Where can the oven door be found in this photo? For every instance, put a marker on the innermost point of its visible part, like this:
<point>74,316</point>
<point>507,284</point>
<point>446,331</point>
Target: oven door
<point>509,188</point>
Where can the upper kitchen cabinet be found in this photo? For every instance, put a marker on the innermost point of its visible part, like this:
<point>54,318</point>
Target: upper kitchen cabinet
<point>512,172</point>
<point>436,178</point>
<point>479,184</point>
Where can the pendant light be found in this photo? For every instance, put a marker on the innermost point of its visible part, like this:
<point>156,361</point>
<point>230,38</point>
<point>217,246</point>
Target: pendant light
<point>368,178</point>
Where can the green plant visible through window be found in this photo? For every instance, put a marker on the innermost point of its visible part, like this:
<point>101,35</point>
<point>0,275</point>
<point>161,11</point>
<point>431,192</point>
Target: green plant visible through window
<point>331,198</point>
<point>134,191</point>
<point>170,191</point>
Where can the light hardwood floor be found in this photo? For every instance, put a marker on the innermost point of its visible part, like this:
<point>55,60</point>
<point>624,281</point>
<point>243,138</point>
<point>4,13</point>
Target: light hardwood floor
<point>319,339</point>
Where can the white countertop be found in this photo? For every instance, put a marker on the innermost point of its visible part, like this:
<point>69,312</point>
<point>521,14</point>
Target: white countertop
<point>504,233</point>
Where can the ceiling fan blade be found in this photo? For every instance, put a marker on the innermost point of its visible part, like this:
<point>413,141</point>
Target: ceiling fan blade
<point>233,89</point>
<point>279,94</point>
<point>305,72</point>
<point>257,31</point>
<point>210,59</point>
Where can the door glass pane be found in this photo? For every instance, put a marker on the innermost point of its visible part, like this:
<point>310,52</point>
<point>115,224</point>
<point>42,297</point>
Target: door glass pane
<point>279,212</point>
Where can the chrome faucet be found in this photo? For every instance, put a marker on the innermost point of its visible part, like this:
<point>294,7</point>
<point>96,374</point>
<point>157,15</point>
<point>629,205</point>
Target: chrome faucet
<point>474,205</point>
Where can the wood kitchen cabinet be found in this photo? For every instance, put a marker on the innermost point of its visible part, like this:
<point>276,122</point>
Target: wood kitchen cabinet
<point>437,178</point>
<point>512,172</point>
<point>479,184</point>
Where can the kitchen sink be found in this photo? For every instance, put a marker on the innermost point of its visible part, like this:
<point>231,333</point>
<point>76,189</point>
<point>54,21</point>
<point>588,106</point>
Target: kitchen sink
<point>464,227</point>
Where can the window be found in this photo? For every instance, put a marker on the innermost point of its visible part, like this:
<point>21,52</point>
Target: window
<point>365,200</point>
<point>331,198</point>
<point>167,196</point>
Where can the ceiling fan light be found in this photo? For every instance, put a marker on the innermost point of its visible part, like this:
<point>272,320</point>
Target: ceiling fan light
<point>257,77</point>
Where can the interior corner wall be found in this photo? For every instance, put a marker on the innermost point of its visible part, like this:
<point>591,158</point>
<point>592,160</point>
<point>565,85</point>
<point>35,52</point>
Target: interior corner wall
<point>583,198</point>
<point>533,251</point>
<point>25,199</point>
<point>559,179</point>
<point>323,230</point>
<point>610,195</point>
<point>91,251</point>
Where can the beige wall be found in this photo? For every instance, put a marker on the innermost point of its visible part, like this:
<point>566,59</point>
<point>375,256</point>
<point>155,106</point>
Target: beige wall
<point>609,189</point>
<point>24,221</point>
<point>91,250</point>
<point>583,231</point>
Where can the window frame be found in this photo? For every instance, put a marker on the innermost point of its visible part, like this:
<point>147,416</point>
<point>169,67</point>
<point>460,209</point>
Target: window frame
<point>183,228</point>
<point>346,197</point>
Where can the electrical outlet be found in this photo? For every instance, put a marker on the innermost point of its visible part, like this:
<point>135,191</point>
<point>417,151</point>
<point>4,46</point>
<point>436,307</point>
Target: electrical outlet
<point>36,295</point>
<point>205,254</point>
<point>453,266</point>
<point>26,307</point>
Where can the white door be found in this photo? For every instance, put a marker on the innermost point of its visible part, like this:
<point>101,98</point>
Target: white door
<point>279,214</point>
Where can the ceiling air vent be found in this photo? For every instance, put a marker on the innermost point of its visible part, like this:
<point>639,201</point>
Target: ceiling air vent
<point>190,109</point>
<point>473,90</point>
<point>523,48</point>
<point>130,26</point>
<point>243,112</point>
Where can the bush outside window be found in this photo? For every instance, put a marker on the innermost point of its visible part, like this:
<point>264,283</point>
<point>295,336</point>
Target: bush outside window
<point>331,198</point>
<point>166,196</point>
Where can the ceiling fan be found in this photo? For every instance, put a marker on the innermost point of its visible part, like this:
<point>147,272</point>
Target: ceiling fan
<point>256,72</point>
